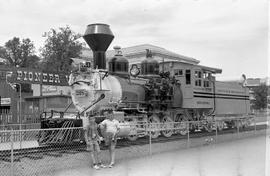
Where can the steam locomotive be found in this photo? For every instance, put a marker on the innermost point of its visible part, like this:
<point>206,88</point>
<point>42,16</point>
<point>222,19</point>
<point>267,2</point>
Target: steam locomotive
<point>153,93</point>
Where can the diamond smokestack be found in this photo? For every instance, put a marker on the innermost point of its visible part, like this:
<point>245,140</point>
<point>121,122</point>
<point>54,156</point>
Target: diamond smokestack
<point>98,36</point>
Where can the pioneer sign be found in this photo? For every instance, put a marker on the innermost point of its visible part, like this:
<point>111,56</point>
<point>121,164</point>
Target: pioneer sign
<point>31,76</point>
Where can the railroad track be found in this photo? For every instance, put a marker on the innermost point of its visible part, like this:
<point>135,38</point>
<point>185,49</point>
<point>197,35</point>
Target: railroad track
<point>57,150</point>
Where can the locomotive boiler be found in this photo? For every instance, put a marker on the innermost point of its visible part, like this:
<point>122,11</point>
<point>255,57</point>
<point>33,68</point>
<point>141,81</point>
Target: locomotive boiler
<point>152,93</point>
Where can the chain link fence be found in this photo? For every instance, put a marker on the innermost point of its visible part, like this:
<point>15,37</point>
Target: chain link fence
<point>48,151</point>
<point>19,126</point>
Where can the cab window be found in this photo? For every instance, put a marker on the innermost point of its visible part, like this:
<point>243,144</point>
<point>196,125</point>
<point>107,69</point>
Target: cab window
<point>198,78</point>
<point>206,81</point>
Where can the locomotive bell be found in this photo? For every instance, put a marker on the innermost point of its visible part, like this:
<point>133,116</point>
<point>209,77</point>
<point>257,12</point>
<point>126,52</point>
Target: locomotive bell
<point>98,37</point>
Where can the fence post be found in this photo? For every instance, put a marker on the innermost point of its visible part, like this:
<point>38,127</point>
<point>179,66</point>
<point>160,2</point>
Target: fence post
<point>150,140</point>
<point>238,124</point>
<point>20,136</point>
<point>187,122</point>
<point>255,126</point>
<point>216,124</point>
<point>12,153</point>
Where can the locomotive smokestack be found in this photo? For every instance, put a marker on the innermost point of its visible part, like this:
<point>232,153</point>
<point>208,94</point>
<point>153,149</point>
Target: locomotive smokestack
<point>98,36</point>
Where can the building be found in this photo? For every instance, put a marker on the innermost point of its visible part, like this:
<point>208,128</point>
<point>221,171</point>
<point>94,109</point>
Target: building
<point>136,54</point>
<point>26,93</point>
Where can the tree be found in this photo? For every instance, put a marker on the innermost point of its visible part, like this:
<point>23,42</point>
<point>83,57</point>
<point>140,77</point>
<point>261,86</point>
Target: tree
<point>60,46</point>
<point>3,52</point>
<point>20,53</point>
<point>260,95</point>
<point>3,56</point>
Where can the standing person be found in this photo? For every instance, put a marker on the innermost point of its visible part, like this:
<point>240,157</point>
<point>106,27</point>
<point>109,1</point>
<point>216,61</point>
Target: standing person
<point>92,140</point>
<point>111,128</point>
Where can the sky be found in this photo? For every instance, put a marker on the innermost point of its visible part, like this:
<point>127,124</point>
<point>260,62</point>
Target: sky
<point>227,34</point>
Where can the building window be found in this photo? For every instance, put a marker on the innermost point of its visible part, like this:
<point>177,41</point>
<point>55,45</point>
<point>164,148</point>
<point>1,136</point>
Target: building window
<point>198,78</point>
<point>198,74</point>
<point>198,83</point>
<point>178,72</point>
<point>206,82</point>
<point>188,78</point>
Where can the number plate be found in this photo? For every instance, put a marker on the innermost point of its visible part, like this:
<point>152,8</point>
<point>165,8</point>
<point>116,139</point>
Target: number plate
<point>81,93</point>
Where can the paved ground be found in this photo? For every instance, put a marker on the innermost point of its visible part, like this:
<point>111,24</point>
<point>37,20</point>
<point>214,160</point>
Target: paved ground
<point>245,157</point>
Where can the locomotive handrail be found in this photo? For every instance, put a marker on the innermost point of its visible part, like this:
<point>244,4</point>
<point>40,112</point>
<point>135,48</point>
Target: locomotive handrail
<point>99,99</point>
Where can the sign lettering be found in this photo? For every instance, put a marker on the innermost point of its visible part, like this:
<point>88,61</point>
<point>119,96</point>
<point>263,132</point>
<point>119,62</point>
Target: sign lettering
<point>32,76</point>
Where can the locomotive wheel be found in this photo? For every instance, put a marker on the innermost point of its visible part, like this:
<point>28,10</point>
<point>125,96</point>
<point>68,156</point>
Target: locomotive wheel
<point>154,125</point>
<point>246,123</point>
<point>182,125</point>
<point>167,125</point>
<point>220,125</point>
<point>208,127</point>
<point>184,130</point>
<point>239,124</point>
<point>133,135</point>
<point>236,124</point>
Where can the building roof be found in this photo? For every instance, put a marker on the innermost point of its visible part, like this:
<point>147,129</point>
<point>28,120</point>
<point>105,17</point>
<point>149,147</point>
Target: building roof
<point>211,69</point>
<point>139,50</point>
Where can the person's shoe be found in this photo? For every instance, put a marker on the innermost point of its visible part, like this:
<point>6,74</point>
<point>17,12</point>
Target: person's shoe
<point>101,165</point>
<point>111,165</point>
<point>96,166</point>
